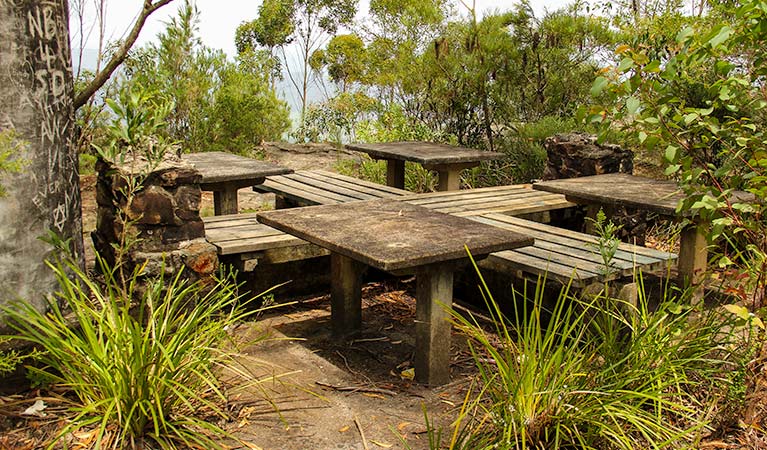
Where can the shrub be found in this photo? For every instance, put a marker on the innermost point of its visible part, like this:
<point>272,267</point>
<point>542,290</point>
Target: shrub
<point>594,373</point>
<point>139,363</point>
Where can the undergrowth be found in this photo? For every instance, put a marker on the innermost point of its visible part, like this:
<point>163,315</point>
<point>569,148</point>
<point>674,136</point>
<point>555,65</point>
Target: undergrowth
<point>598,373</point>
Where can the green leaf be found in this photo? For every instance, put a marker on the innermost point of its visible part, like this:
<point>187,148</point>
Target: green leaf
<point>671,153</point>
<point>721,36</point>
<point>599,85</point>
<point>683,34</point>
<point>672,169</point>
<point>632,105</point>
<point>625,64</point>
<point>653,66</point>
<point>642,136</point>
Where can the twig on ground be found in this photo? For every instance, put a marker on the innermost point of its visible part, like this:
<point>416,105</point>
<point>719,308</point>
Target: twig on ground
<point>356,389</point>
<point>362,434</point>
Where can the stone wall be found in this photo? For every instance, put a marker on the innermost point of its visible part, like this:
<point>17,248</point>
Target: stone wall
<point>573,155</point>
<point>157,208</point>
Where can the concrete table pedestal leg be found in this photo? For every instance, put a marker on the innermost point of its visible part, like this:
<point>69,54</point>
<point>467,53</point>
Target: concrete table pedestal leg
<point>225,201</point>
<point>434,293</point>
<point>345,294</point>
<point>395,173</point>
<point>449,180</point>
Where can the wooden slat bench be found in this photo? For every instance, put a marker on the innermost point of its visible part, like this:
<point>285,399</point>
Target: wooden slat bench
<point>317,187</point>
<point>566,255</point>
<point>244,241</point>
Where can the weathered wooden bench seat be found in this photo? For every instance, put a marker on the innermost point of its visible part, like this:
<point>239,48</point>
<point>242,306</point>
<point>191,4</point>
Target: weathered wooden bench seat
<point>245,242</point>
<point>565,255</point>
<point>317,187</point>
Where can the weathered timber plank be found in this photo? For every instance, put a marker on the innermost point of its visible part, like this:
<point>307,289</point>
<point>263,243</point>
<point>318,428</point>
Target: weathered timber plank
<point>376,189</point>
<point>297,193</point>
<point>511,260</point>
<point>351,194</point>
<point>571,244</point>
<point>257,244</point>
<point>579,236</point>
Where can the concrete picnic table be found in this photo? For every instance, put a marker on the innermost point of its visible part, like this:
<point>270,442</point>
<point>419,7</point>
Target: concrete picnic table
<point>447,160</point>
<point>657,196</point>
<point>225,173</point>
<point>398,238</point>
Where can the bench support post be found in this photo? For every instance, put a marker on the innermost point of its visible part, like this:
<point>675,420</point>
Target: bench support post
<point>225,201</point>
<point>395,173</point>
<point>345,294</point>
<point>693,254</point>
<point>449,180</point>
<point>434,293</point>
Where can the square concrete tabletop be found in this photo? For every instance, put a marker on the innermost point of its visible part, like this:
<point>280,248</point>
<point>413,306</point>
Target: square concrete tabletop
<point>425,153</point>
<point>220,167</point>
<point>400,238</point>
<point>447,160</point>
<point>225,173</point>
<point>391,235</point>
<point>620,189</point>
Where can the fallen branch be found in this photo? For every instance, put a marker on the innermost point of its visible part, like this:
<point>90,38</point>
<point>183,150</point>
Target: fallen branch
<point>356,389</point>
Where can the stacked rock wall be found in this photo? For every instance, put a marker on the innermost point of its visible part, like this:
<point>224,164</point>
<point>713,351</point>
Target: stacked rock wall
<point>153,212</point>
<point>573,155</point>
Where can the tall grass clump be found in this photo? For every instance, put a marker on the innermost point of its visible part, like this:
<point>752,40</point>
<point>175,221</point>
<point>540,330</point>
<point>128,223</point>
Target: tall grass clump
<point>595,373</point>
<point>138,361</point>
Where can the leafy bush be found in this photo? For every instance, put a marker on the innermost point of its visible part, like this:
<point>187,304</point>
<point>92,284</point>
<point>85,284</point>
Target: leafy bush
<point>595,373</point>
<point>701,109</point>
<point>141,372</point>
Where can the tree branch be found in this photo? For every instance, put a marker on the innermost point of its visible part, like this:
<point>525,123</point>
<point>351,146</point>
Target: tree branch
<point>102,76</point>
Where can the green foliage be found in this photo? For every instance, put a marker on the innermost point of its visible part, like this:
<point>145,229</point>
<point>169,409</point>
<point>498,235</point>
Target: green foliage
<point>10,147</point>
<point>345,59</point>
<point>87,164</point>
<point>214,99</point>
<point>136,128</point>
<point>140,373</point>
<point>335,120</point>
<point>701,110</point>
<point>607,239</point>
<point>246,111</point>
<point>594,374</point>
<point>273,27</point>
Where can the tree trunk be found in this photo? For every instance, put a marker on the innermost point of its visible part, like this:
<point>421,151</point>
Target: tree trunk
<point>36,94</point>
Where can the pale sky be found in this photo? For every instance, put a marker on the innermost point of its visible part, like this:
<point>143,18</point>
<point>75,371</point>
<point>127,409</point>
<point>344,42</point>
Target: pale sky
<point>219,18</point>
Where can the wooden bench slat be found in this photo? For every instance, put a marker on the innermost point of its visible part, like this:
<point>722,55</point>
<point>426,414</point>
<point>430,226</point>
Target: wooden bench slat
<point>243,232</point>
<point>257,244</point>
<point>514,206</point>
<point>466,199</point>
<point>375,189</point>
<point>595,270</point>
<point>228,219</point>
<point>357,181</point>
<point>574,245</point>
<point>467,195</point>
<point>652,253</point>
<point>299,193</point>
<point>351,194</point>
<point>511,260</point>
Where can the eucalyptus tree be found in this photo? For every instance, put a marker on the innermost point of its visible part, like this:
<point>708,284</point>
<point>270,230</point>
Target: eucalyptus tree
<point>301,25</point>
<point>37,102</point>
